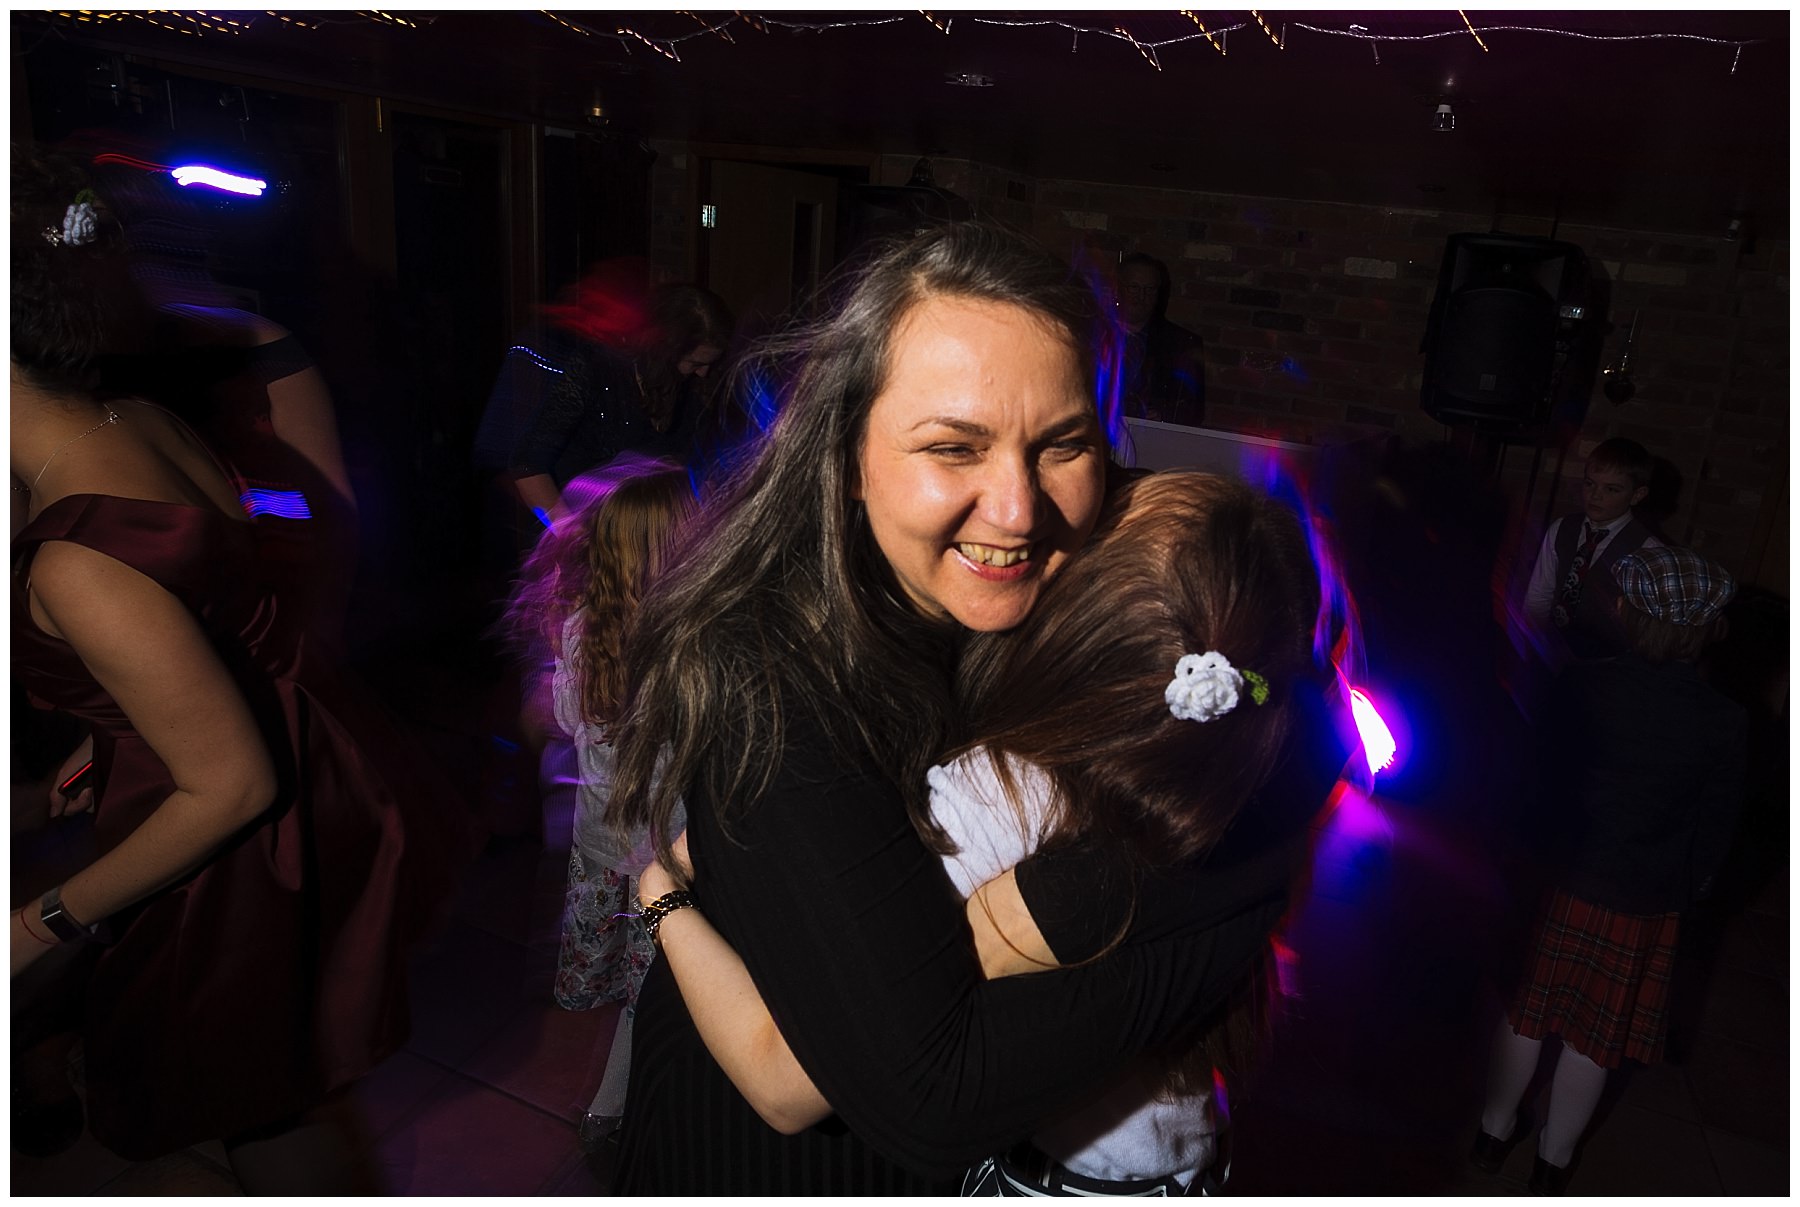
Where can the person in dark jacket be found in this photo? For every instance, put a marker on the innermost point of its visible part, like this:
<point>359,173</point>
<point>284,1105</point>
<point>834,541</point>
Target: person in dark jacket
<point>1645,766</point>
<point>1164,377</point>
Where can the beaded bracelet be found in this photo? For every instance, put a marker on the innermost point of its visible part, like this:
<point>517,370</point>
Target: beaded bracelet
<point>654,912</point>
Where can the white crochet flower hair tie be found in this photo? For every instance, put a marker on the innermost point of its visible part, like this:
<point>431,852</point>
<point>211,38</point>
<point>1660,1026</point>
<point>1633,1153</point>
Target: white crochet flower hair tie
<point>80,224</point>
<point>1206,686</point>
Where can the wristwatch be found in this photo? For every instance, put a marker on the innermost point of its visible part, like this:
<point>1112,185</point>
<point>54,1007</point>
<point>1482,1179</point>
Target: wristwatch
<point>61,923</point>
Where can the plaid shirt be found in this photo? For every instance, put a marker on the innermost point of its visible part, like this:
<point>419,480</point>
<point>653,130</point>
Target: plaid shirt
<point>1674,584</point>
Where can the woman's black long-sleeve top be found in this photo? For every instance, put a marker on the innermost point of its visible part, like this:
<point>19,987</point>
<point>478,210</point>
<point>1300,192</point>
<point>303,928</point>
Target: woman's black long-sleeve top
<point>854,936</point>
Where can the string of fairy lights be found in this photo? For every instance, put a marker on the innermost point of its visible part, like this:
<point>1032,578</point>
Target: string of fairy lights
<point>668,46</point>
<point>1217,38</point>
<point>195,22</point>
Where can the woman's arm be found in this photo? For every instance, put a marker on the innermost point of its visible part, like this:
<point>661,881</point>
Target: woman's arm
<point>735,1023</point>
<point>539,494</point>
<point>300,407</point>
<point>301,412</point>
<point>548,431</point>
<point>850,929</point>
<point>146,650</point>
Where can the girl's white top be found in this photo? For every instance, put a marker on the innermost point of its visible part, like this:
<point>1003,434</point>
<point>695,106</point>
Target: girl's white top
<point>600,845</point>
<point>1130,1134</point>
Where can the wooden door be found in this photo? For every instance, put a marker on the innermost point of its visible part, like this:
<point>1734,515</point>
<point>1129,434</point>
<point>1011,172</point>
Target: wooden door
<point>770,239</point>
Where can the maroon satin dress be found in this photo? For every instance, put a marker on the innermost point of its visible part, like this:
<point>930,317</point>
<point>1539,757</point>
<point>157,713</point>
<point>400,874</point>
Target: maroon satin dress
<point>274,975</point>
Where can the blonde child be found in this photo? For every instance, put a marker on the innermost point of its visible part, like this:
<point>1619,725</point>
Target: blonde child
<point>582,588</point>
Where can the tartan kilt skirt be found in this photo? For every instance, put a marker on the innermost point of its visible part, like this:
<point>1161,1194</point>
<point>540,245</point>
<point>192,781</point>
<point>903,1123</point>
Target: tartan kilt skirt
<point>1600,980</point>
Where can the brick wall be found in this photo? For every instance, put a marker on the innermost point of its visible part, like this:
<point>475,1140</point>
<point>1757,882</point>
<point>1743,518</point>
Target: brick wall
<point>1313,315</point>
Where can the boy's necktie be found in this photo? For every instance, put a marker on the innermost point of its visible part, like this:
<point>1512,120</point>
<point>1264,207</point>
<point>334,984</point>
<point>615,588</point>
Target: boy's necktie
<point>1571,588</point>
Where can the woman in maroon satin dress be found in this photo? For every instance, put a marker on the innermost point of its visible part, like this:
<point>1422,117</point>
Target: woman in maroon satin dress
<point>252,872</point>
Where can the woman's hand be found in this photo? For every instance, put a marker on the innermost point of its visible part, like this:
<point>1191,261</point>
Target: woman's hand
<point>83,800</point>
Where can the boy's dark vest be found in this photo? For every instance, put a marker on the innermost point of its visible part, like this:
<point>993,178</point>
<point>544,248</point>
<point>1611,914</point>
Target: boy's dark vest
<point>1594,630</point>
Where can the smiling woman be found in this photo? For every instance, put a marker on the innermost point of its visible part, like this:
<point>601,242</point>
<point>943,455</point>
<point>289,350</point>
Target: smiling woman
<point>983,464</point>
<point>937,460</point>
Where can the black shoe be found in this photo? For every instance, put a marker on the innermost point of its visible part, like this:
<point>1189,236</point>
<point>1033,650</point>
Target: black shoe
<point>596,1130</point>
<point>1489,1154</point>
<point>1550,1180</point>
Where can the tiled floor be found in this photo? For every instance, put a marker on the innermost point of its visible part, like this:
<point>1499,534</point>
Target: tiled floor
<point>1373,1088</point>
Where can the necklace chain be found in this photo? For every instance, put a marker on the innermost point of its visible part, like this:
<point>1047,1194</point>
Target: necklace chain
<point>112,417</point>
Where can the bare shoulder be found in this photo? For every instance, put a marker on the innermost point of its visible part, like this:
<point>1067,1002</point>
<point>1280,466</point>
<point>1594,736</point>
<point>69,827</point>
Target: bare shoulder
<point>66,572</point>
<point>80,594</point>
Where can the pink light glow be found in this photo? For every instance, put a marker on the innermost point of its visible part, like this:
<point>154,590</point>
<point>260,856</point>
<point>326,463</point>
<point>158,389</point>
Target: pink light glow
<point>1378,743</point>
<point>213,178</point>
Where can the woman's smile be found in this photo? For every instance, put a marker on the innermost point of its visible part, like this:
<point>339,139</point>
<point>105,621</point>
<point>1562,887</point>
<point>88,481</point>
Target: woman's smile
<point>982,466</point>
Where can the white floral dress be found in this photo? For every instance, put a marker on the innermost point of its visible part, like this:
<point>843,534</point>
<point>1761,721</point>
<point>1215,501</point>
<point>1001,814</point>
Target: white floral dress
<point>604,952</point>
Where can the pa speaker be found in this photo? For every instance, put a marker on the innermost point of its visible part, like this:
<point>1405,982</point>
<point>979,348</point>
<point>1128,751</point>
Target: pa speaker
<point>1507,313</point>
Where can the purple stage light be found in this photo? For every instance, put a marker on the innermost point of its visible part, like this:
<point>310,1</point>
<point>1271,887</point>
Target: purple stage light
<point>217,178</point>
<point>288,504</point>
<point>1377,740</point>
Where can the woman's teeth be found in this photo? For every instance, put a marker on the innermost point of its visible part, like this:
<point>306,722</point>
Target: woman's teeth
<point>987,555</point>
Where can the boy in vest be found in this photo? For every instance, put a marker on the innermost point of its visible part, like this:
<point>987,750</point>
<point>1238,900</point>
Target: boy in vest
<point>1572,595</point>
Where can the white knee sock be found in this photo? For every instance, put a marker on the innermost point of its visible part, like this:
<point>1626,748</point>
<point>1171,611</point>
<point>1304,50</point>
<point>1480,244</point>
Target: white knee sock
<point>609,1100</point>
<point>1574,1093</point>
<point>1513,1061</point>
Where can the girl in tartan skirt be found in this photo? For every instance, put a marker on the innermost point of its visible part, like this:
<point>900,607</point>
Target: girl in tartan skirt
<point>1645,764</point>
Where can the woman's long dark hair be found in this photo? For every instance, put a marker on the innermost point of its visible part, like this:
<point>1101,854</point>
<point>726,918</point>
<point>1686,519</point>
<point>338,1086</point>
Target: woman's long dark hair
<point>783,601</point>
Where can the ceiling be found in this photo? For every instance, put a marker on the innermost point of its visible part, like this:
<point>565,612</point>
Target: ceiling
<point>1612,127</point>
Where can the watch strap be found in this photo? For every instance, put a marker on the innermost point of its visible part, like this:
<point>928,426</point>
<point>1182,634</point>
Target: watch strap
<point>60,922</point>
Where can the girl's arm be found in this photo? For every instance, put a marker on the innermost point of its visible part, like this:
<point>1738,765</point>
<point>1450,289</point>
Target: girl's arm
<point>735,1023</point>
<point>731,1016</point>
<point>1007,937</point>
<point>146,650</point>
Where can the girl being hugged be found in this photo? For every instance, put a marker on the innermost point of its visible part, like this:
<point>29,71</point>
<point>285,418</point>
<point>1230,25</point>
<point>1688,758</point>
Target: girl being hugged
<point>579,593</point>
<point>1135,715</point>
